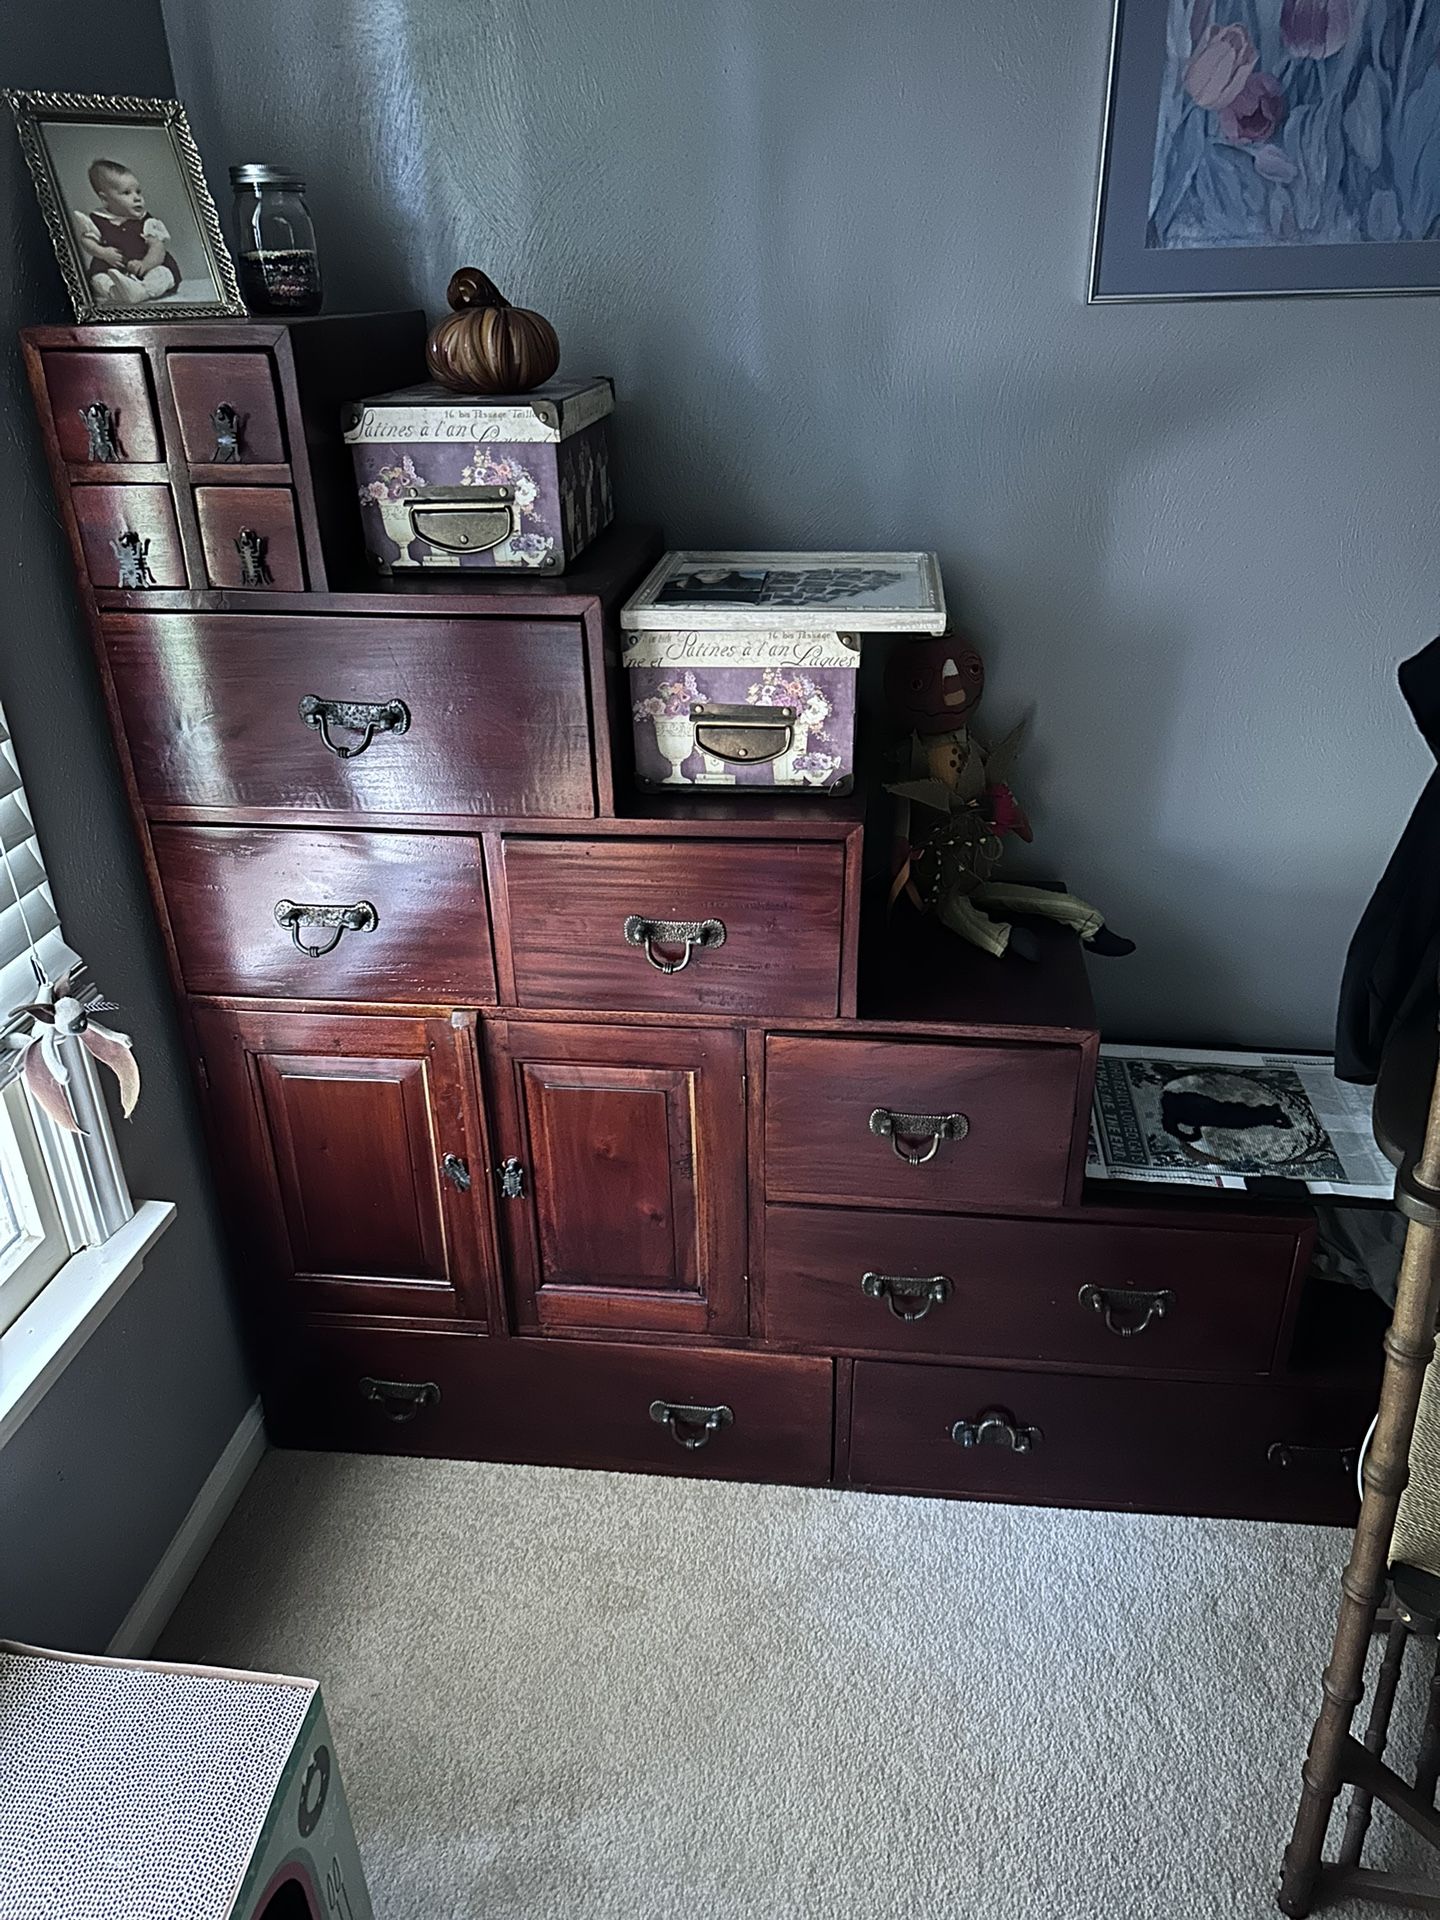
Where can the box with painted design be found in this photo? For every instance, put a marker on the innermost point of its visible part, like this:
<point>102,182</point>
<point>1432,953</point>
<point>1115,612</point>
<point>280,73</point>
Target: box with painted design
<point>513,483</point>
<point>741,667</point>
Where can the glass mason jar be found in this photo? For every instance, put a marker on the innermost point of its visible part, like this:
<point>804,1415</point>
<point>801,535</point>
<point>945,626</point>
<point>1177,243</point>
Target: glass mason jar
<point>278,264</point>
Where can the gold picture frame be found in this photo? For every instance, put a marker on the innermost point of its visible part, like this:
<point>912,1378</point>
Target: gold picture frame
<point>166,204</point>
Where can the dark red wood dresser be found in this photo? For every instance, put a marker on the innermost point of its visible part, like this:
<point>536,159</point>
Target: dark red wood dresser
<point>501,1188</point>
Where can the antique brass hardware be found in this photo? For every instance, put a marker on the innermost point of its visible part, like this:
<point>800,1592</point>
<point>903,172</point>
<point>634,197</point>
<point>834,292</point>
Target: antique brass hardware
<point>1286,1454</point>
<point>465,520</point>
<point>995,1427</point>
<point>254,568</point>
<point>226,422</point>
<point>132,557</point>
<point>908,1296</point>
<point>690,1427</point>
<point>903,1128</point>
<point>400,1400</point>
<point>358,917</point>
<point>705,934</point>
<point>512,1179</point>
<point>1114,1302</point>
<point>456,1172</point>
<point>749,734</point>
<point>365,717</point>
<point>100,430</point>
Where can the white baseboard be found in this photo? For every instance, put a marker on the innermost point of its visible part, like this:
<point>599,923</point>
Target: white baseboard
<point>212,1506</point>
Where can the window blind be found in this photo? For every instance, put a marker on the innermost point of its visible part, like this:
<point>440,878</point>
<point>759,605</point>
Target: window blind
<point>28,921</point>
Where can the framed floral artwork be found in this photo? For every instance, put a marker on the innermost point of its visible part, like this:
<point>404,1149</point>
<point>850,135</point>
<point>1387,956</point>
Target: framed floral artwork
<point>1258,147</point>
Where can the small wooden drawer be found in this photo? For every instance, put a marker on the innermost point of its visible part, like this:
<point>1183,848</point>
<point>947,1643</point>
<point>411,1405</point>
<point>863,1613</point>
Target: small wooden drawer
<point>676,926</point>
<point>253,910</point>
<point>129,536</point>
<point>347,719</point>
<point>727,1416</point>
<point>250,537</point>
<point>125,429</point>
<point>1284,1451</point>
<point>1107,1292</point>
<point>243,383</point>
<point>927,1125</point>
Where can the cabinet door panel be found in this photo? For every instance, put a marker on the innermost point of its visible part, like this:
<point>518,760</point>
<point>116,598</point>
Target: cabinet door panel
<point>336,1130</point>
<point>633,1150</point>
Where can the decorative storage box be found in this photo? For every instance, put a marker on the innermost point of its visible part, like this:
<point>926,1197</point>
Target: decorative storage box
<point>742,666</point>
<point>511,481</point>
<point>133,1787</point>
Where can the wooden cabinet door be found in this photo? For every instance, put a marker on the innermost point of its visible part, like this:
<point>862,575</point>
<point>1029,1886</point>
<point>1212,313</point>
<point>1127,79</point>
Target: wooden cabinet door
<point>354,1153</point>
<point>630,1143</point>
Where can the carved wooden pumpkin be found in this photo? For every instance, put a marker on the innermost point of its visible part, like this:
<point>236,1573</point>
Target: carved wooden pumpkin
<point>486,345</point>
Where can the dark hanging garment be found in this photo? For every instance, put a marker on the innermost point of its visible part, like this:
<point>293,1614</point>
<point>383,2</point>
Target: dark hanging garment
<point>1396,949</point>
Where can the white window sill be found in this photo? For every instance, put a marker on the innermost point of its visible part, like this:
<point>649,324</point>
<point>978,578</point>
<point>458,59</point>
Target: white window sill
<point>57,1323</point>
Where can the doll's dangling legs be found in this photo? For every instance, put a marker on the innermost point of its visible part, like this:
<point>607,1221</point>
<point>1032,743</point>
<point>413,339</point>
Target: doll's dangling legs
<point>1013,896</point>
<point>959,912</point>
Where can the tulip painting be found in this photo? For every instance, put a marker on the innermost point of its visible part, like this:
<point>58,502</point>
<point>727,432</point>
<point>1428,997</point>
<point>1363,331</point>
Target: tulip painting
<point>1297,123</point>
<point>1272,127</point>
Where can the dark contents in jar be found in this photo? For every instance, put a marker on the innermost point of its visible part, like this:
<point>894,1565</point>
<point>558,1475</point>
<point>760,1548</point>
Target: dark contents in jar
<point>281,279</point>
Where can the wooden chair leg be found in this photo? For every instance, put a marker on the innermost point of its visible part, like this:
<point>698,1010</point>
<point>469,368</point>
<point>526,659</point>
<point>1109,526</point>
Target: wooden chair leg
<point>1409,1348</point>
<point>1382,1705</point>
<point>1427,1765</point>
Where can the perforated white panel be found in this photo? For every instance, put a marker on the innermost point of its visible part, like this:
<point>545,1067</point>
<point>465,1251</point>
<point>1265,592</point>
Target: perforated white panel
<point>134,1793</point>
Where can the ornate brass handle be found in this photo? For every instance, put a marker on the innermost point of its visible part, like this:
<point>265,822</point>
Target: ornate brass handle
<point>1284,1453</point>
<point>902,1129</point>
<point>359,917</point>
<point>743,733</point>
<point>705,934</point>
<point>365,717</point>
<point>101,433</point>
<point>996,1427</point>
<point>1112,1302</point>
<point>226,422</point>
<point>400,1400</point>
<point>690,1427</point>
<point>471,520</point>
<point>909,1297</point>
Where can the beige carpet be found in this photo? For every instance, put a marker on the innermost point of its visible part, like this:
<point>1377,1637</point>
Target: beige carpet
<point>565,1696</point>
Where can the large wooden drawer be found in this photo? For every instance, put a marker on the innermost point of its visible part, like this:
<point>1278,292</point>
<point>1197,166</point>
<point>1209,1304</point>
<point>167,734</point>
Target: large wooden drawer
<point>457,718</point>
<point>559,1404</point>
<point>1105,1292</point>
<point>1265,1451</point>
<point>594,922</point>
<point>405,912</point>
<point>1002,1122</point>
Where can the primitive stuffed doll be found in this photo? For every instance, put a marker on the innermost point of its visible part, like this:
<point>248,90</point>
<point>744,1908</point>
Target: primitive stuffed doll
<point>954,807</point>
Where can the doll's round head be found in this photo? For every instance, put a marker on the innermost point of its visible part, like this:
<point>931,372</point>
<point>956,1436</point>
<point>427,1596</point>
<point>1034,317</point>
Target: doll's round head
<point>934,686</point>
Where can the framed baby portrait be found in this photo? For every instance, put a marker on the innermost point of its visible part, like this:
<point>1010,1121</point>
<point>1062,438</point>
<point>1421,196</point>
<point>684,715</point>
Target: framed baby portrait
<point>1260,147</point>
<point>124,196</point>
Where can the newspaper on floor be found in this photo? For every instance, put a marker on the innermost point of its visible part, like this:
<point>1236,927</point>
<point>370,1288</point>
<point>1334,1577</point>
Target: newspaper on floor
<point>1195,1118</point>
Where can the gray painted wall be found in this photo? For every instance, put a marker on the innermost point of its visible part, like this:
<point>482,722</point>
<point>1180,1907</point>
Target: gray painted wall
<point>834,256</point>
<point>95,1483</point>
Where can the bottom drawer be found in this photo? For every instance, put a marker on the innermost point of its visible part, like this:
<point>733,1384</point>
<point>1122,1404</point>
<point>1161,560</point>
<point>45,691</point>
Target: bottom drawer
<point>1282,1451</point>
<point>734,1416</point>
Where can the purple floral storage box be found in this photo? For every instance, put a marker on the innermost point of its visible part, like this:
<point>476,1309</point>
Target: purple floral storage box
<point>514,482</point>
<point>742,666</point>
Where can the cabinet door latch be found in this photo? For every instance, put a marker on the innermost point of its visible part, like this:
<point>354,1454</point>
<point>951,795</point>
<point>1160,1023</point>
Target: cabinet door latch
<point>511,1176</point>
<point>456,1172</point>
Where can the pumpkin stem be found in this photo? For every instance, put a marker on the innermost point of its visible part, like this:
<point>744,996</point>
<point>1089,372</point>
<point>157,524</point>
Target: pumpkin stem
<point>469,287</point>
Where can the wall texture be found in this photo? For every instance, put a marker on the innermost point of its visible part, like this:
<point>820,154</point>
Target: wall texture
<point>95,1483</point>
<point>834,256</point>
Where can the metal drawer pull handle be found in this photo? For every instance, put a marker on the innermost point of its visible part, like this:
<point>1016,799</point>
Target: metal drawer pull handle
<point>1284,1453</point>
<point>456,1172</point>
<point>1112,1302</point>
<point>365,717</point>
<point>902,1129</point>
<point>705,934</point>
<point>743,733</point>
<point>400,1400</point>
<point>254,567</point>
<point>100,430</point>
<point>360,917</point>
<point>909,1297</point>
<point>690,1427</point>
<point>226,422</point>
<point>472,520</point>
<point>995,1428</point>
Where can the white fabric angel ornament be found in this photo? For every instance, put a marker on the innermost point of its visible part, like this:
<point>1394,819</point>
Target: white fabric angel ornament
<point>58,1016</point>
